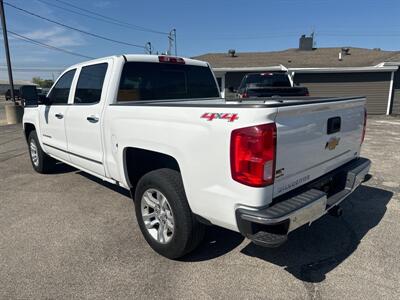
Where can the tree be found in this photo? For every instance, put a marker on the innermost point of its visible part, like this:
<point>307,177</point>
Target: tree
<point>43,83</point>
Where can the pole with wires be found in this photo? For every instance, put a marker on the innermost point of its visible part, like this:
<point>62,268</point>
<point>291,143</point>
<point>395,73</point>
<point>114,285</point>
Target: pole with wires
<point>172,42</point>
<point>176,51</point>
<point>148,47</point>
<point>7,50</point>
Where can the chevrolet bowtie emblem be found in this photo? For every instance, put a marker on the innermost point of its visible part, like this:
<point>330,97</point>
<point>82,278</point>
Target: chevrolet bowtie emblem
<point>332,143</point>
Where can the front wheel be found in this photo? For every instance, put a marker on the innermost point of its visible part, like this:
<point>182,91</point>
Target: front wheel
<point>164,216</point>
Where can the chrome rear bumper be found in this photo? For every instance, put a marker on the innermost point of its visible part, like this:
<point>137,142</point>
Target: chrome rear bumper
<point>269,226</point>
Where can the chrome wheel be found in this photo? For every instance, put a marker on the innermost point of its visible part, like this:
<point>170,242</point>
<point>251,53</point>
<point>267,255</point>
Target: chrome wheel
<point>34,152</point>
<point>157,216</point>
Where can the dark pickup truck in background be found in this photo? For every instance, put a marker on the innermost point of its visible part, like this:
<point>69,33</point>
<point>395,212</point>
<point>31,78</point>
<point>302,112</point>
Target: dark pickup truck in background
<point>269,85</point>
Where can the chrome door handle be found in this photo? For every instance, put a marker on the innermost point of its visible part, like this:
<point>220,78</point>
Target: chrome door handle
<point>59,116</point>
<point>92,119</point>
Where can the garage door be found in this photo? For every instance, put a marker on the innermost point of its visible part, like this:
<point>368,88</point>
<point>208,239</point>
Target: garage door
<point>396,94</point>
<point>375,86</point>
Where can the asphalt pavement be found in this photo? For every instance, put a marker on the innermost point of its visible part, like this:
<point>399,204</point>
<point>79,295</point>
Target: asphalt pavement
<point>70,235</point>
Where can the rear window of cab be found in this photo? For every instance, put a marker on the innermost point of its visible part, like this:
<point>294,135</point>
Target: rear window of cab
<point>157,81</point>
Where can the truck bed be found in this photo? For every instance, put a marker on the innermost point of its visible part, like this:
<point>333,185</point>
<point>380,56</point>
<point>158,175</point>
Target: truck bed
<point>242,103</point>
<point>305,148</point>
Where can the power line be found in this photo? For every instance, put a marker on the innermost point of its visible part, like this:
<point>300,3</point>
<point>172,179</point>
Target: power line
<point>359,34</point>
<point>73,28</point>
<point>255,37</point>
<point>112,19</point>
<point>26,39</point>
<point>101,19</point>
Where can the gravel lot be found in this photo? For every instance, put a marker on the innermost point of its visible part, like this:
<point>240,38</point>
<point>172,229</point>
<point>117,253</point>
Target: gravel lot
<point>68,235</point>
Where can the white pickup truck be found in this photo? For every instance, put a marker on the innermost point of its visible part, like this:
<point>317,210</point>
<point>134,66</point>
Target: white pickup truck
<point>157,126</point>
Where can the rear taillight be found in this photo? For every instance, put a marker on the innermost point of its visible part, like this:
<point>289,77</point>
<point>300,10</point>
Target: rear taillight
<point>171,59</point>
<point>365,125</point>
<point>253,155</point>
<point>243,95</point>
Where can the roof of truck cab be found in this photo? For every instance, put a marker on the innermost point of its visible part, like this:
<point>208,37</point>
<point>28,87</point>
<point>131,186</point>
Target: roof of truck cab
<point>154,58</point>
<point>88,62</point>
<point>139,58</point>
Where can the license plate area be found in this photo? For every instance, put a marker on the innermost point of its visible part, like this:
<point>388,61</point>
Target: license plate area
<point>308,214</point>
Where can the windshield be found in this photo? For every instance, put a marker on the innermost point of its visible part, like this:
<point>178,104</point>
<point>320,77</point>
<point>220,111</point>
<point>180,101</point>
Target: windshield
<point>266,80</point>
<point>156,81</point>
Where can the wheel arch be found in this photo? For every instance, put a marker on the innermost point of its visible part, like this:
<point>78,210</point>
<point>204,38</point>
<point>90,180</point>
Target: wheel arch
<point>138,161</point>
<point>28,128</point>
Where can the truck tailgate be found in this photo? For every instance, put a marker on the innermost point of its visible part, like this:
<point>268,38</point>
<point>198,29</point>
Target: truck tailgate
<point>313,139</point>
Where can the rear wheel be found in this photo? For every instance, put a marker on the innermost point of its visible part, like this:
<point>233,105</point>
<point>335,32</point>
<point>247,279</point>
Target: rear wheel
<point>164,216</point>
<point>41,162</point>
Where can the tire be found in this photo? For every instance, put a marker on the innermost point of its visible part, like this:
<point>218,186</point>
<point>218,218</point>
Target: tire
<point>187,232</point>
<point>41,162</point>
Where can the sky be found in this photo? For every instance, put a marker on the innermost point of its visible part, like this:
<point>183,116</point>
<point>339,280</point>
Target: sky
<point>202,27</point>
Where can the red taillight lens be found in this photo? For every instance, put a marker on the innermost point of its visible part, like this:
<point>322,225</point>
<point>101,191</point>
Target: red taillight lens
<point>365,125</point>
<point>253,155</point>
<point>171,59</point>
<point>244,95</point>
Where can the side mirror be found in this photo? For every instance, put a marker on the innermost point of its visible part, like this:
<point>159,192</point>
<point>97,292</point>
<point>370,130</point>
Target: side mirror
<point>28,94</point>
<point>232,89</point>
<point>44,100</point>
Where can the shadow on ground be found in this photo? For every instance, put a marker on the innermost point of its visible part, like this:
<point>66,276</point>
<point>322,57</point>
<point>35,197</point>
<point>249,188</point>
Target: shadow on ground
<point>312,252</point>
<point>111,186</point>
<point>61,168</point>
<point>217,242</point>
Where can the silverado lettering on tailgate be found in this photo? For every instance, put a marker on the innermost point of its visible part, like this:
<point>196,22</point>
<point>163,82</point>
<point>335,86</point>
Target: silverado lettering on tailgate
<point>293,184</point>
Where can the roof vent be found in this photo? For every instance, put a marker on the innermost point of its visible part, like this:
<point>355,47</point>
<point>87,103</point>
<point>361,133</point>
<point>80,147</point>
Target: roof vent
<point>346,51</point>
<point>232,52</point>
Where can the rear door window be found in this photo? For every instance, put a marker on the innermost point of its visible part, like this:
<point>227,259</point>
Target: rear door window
<point>156,81</point>
<point>90,84</point>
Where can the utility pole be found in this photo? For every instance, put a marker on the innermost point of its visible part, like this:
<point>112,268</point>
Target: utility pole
<point>148,48</point>
<point>5,37</point>
<point>172,42</point>
<point>176,51</point>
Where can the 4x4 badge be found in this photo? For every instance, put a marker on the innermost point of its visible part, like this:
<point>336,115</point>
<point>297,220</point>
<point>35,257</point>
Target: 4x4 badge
<point>224,116</point>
